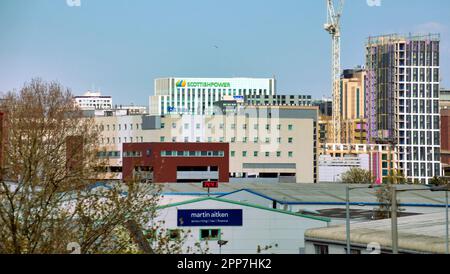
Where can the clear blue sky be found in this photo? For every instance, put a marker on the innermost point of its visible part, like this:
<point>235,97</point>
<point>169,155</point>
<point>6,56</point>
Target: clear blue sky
<point>120,46</point>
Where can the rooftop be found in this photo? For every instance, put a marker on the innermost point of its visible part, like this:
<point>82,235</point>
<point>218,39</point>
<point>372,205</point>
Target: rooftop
<point>417,234</point>
<point>315,194</point>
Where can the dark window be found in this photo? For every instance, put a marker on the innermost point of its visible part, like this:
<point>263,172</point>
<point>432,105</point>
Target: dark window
<point>209,234</point>
<point>321,249</point>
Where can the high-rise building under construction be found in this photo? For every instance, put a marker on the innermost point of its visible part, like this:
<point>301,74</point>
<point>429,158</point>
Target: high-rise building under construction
<point>402,101</point>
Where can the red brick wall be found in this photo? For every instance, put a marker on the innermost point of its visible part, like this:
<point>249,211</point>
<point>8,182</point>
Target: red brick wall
<point>445,138</point>
<point>165,168</point>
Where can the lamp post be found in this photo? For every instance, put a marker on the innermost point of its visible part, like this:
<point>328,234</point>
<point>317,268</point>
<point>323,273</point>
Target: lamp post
<point>394,210</point>
<point>347,200</point>
<point>446,189</point>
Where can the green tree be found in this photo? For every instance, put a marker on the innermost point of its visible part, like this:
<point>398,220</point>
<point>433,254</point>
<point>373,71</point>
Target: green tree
<point>357,176</point>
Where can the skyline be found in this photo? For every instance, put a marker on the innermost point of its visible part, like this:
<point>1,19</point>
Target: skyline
<point>121,47</point>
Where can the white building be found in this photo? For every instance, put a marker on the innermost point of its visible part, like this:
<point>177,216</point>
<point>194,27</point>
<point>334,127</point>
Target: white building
<point>275,144</point>
<point>197,95</point>
<point>332,168</point>
<point>93,101</point>
<point>249,229</point>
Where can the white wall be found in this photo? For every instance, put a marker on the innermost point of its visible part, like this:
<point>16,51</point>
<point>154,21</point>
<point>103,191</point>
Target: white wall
<point>260,227</point>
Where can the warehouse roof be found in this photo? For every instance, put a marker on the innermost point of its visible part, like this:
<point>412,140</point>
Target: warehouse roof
<point>245,205</point>
<point>417,234</point>
<point>304,194</point>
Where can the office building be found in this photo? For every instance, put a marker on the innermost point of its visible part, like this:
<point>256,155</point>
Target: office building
<point>93,101</point>
<point>198,95</point>
<point>402,101</point>
<point>352,106</point>
<point>271,144</point>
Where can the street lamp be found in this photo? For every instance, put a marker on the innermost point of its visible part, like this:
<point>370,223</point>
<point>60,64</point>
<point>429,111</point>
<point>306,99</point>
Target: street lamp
<point>394,210</point>
<point>446,189</point>
<point>347,227</point>
<point>221,243</point>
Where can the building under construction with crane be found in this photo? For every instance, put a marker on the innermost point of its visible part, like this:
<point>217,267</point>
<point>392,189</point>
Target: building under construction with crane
<point>402,102</point>
<point>401,99</point>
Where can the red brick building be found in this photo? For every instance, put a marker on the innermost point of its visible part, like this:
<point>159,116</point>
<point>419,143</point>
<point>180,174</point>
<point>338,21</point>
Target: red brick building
<point>176,162</point>
<point>445,139</point>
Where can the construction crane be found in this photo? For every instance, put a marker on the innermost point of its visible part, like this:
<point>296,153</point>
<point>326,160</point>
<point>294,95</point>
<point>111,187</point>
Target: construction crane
<point>333,27</point>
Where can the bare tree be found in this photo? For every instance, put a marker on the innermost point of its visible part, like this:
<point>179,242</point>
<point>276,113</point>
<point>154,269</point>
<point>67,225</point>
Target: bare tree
<point>49,163</point>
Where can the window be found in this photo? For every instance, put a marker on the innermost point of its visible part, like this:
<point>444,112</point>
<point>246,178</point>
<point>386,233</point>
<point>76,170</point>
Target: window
<point>209,234</point>
<point>255,153</point>
<point>174,234</point>
<point>233,139</point>
<point>163,125</point>
<point>267,140</point>
<point>174,139</point>
<point>244,153</point>
<point>233,153</point>
<point>267,154</point>
<point>186,126</point>
<point>255,140</point>
<point>279,140</point>
<point>278,153</point>
<point>291,154</point>
<point>321,249</point>
<point>162,139</point>
<point>290,127</point>
<point>291,140</point>
<point>174,125</point>
<point>198,126</point>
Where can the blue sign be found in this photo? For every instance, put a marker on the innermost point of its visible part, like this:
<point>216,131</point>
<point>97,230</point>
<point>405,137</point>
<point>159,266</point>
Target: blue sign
<point>207,217</point>
<point>237,97</point>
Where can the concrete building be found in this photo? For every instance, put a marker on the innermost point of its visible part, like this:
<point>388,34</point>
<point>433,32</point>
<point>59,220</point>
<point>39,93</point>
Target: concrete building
<point>331,169</point>
<point>93,101</point>
<point>198,95</point>
<point>420,234</point>
<point>402,101</point>
<point>247,228</point>
<point>276,144</point>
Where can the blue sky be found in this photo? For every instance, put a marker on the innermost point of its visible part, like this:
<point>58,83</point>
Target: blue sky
<point>120,46</point>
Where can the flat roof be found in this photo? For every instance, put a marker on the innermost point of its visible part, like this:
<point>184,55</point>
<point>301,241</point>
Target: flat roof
<point>417,234</point>
<point>315,194</point>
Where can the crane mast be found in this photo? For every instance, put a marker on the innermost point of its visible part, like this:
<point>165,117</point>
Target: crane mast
<point>333,27</point>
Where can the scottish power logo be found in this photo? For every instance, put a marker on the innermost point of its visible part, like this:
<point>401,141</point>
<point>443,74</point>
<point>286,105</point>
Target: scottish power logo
<point>181,84</point>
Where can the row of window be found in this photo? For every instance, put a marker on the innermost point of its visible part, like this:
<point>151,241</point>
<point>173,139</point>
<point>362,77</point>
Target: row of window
<point>119,127</point>
<point>112,141</point>
<point>233,140</point>
<point>222,126</point>
<point>266,154</point>
<point>192,153</point>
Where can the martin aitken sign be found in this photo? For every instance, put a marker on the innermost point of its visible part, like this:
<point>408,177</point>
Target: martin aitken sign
<point>207,217</point>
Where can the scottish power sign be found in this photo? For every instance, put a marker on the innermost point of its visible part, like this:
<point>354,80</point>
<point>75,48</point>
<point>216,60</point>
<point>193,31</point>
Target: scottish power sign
<point>183,84</point>
<point>207,217</point>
